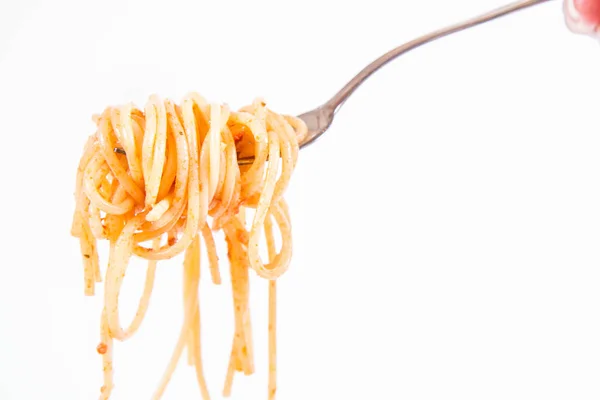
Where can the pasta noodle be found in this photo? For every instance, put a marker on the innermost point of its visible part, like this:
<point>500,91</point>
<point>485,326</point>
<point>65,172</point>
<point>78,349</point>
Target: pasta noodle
<point>174,181</point>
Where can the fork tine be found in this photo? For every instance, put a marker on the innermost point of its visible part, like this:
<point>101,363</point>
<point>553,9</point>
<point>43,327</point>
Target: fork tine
<point>241,161</point>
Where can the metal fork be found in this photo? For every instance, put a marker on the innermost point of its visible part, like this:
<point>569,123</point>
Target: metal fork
<point>320,119</point>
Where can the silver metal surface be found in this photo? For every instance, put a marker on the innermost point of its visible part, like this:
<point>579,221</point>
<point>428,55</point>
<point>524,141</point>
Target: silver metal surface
<point>320,119</point>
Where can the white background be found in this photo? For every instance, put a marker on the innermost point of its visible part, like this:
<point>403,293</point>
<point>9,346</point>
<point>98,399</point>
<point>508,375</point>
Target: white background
<point>446,228</point>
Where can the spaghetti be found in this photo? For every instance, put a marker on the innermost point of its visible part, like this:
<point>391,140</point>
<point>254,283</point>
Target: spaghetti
<point>176,181</point>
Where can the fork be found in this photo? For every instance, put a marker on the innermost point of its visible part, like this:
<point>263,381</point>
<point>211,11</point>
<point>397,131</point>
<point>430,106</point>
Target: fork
<point>319,119</point>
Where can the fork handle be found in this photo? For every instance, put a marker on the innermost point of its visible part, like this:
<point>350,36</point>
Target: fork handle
<point>319,119</point>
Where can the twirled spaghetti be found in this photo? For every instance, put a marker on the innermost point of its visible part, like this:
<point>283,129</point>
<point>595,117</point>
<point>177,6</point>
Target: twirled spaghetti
<point>176,181</point>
